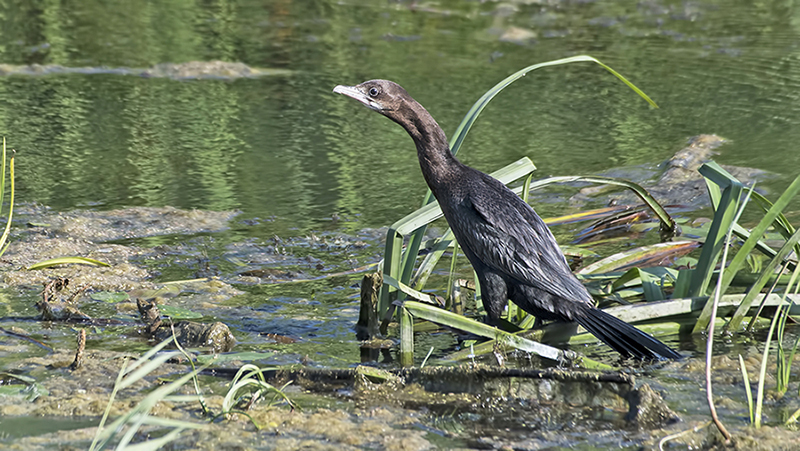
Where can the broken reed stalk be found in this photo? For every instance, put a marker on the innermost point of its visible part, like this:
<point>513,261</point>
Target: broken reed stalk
<point>368,324</point>
<point>709,346</point>
<point>79,352</point>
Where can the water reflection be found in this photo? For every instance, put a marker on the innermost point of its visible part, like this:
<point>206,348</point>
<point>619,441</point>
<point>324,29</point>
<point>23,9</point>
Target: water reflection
<point>285,147</point>
<point>293,156</point>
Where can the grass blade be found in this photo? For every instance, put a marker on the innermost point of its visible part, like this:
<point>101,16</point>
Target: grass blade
<point>441,316</point>
<point>762,280</point>
<point>630,258</point>
<point>714,308</point>
<point>7,230</point>
<point>759,230</point>
<point>765,356</point>
<point>747,388</point>
<point>461,132</point>
<point>450,319</point>
<point>724,219</point>
<point>66,261</point>
<point>668,224</point>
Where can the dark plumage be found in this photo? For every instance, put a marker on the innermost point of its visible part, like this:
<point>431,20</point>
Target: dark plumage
<point>511,249</point>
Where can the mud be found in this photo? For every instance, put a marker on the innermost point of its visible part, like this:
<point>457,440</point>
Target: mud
<point>176,71</point>
<point>441,411</point>
<point>385,415</point>
<point>385,412</point>
<point>85,393</point>
<point>86,234</point>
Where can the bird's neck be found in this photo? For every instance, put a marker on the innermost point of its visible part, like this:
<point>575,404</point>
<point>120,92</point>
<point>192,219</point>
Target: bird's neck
<point>433,151</point>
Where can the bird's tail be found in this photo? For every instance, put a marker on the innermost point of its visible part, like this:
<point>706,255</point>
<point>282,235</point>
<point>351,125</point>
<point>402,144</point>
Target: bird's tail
<point>622,337</point>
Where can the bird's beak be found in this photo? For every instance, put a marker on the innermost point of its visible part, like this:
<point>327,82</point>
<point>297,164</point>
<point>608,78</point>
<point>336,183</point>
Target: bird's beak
<point>355,93</point>
<point>349,91</point>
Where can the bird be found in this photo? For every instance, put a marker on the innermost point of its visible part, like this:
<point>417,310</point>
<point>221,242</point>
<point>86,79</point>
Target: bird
<point>511,249</point>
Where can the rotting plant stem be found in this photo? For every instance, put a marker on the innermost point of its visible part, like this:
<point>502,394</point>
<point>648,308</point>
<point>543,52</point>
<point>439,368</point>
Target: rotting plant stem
<point>709,393</point>
<point>79,352</point>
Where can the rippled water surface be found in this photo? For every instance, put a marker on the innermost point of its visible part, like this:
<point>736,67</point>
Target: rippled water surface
<point>284,147</point>
<point>307,167</point>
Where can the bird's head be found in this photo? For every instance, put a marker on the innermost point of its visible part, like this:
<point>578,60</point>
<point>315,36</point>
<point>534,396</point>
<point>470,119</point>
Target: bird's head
<point>383,96</point>
<point>391,100</point>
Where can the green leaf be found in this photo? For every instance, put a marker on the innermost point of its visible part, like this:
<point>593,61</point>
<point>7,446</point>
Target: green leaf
<point>178,312</point>
<point>12,390</point>
<point>748,389</point>
<point>651,282</point>
<point>475,111</point>
<point>4,238</point>
<point>244,356</point>
<point>757,232</point>
<point>441,316</point>
<point>724,220</point>
<point>66,261</point>
<point>110,296</point>
<point>761,281</point>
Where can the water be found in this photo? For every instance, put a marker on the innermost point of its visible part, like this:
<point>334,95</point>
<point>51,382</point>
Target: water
<point>286,148</point>
<point>295,158</point>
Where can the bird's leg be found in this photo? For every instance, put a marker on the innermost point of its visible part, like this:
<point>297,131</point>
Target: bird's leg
<point>494,295</point>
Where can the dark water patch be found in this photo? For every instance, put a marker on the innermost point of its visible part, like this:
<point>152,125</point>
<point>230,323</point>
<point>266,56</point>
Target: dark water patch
<point>16,427</point>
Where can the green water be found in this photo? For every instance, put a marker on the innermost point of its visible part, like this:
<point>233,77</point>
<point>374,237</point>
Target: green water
<point>292,156</point>
<point>286,148</point>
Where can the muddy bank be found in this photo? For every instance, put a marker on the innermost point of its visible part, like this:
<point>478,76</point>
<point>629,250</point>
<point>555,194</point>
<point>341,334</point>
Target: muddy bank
<point>355,416</point>
<point>85,392</point>
<point>371,411</point>
<point>159,256</point>
<point>103,297</point>
<point>177,71</point>
<point>87,234</point>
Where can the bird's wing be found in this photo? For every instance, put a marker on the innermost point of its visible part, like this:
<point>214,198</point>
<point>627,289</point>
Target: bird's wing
<point>508,236</point>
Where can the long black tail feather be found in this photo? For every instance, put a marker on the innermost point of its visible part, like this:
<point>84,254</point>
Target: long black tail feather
<point>622,337</point>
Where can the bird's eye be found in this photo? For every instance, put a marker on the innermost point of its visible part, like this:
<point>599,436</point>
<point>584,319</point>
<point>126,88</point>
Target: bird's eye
<point>373,92</point>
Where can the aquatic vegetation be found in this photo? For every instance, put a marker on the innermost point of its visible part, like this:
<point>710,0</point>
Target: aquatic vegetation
<point>709,286</point>
<point>139,416</point>
<point>124,428</point>
<point>4,237</point>
<point>398,265</point>
<point>249,381</point>
<point>66,261</point>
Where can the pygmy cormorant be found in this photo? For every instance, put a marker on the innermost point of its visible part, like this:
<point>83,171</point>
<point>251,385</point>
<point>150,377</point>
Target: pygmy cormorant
<point>514,254</point>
